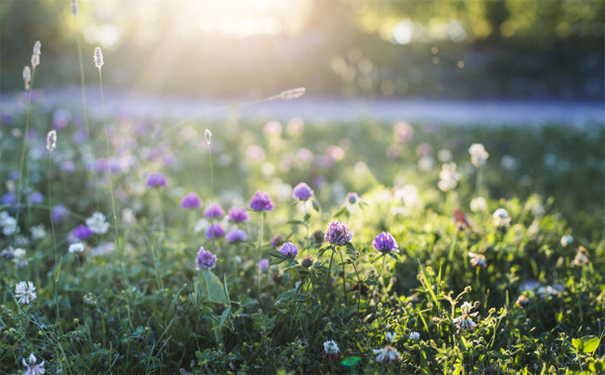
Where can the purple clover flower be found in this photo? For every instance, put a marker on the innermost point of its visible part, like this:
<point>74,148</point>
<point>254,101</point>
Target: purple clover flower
<point>263,265</point>
<point>352,198</point>
<point>261,202</point>
<point>214,211</point>
<point>277,241</point>
<point>8,199</point>
<point>289,250</point>
<point>238,215</point>
<point>36,197</point>
<point>385,243</point>
<point>156,179</point>
<point>337,234</point>
<point>236,235</point>
<point>215,231</point>
<point>59,213</point>
<point>82,232</point>
<point>302,192</point>
<point>191,200</point>
<point>205,259</point>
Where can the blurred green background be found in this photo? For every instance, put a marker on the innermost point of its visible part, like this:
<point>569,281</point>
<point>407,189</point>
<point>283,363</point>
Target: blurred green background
<point>375,48</point>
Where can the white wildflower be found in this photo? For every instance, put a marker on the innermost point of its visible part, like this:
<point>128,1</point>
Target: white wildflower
<point>9,226</point>
<point>464,321</point>
<point>581,258</point>
<point>201,225</point>
<point>478,204</point>
<point>390,337</point>
<point>388,354</point>
<point>33,367</point>
<point>478,154</point>
<point>414,336</point>
<point>38,232</point>
<point>331,348</point>
<point>501,218</point>
<point>208,135</point>
<point>96,223</point>
<point>566,240</point>
<point>477,260</point>
<point>444,155</point>
<point>25,292</point>
<point>77,247</point>
<point>35,60</point>
<point>448,177</point>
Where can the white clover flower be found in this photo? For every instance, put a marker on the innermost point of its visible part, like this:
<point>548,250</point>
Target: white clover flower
<point>478,154</point>
<point>25,292</point>
<point>27,76</point>
<point>33,367</point>
<point>414,336</point>
<point>501,218</point>
<point>10,226</point>
<point>96,223</point>
<point>3,217</point>
<point>77,247</point>
<point>566,240</point>
<point>444,155</point>
<point>464,321</point>
<point>38,232</point>
<point>208,135</point>
<point>426,163</point>
<point>478,204</point>
<point>390,337</point>
<point>388,354</point>
<point>19,253</point>
<point>331,348</point>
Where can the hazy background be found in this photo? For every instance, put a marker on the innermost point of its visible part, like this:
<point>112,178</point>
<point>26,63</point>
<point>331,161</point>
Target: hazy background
<point>505,49</point>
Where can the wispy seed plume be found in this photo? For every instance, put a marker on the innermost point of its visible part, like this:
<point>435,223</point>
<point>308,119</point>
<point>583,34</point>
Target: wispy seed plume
<point>37,51</point>
<point>98,57</point>
<point>51,141</point>
<point>27,76</point>
<point>293,93</point>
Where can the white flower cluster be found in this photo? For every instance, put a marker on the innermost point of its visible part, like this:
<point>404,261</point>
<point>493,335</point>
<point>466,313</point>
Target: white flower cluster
<point>8,224</point>
<point>448,177</point>
<point>478,154</point>
<point>25,292</point>
<point>96,223</point>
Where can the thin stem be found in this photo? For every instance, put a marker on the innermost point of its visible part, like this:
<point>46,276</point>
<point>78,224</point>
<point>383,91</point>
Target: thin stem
<point>260,248</point>
<point>52,225</point>
<point>23,160</point>
<point>384,260</point>
<point>479,186</point>
<point>85,108</point>
<point>327,277</point>
<point>344,278</point>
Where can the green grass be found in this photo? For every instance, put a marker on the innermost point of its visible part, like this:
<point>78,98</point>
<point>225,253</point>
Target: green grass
<point>160,315</point>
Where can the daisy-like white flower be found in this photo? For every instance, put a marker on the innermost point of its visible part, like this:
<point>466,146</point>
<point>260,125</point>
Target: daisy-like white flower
<point>33,367</point>
<point>464,321</point>
<point>96,223</point>
<point>331,348</point>
<point>25,292</point>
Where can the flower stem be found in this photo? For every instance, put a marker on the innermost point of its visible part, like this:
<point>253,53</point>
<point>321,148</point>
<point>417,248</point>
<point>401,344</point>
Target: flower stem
<point>327,277</point>
<point>344,278</point>
<point>23,162</point>
<point>260,249</point>
<point>52,225</point>
<point>384,260</point>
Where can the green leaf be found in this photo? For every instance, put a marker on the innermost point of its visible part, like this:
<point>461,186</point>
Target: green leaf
<point>589,343</point>
<point>212,287</point>
<point>224,317</point>
<point>350,361</point>
<point>315,205</point>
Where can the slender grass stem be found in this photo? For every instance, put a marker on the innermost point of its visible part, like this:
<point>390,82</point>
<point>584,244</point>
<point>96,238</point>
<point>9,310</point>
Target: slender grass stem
<point>52,225</point>
<point>23,161</point>
<point>260,248</point>
<point>344,279</point>
<point>384,260</point>
<point>479,186</point>
<point>327,283</point>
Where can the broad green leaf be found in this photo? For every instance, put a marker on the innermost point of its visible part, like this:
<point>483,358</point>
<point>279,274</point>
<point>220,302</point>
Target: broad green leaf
<point>212,288</point>
<point>350,361</point>
<point>590,343</point>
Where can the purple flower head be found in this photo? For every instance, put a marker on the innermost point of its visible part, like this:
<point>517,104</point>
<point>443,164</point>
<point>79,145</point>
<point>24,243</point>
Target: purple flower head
<point>214,211</point>
<point>352,198</point>
<point>263,265</point>
<point>205,259</point>
<point>302,192</point>
<point>82,232</point>
<point>59,213</point>
<point>337,233</point>
<point>236,235</point>
<point>191,200</point>
<point>385,243</point>
<point>277,241</point>
<point>9,199</point>
<point>14,176</point>
<point>215,231</point>
<point>36,197</point>
<point>261,202</point>
<point>156,179</point>
<point>289,250</point>
<point>238,215</point>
